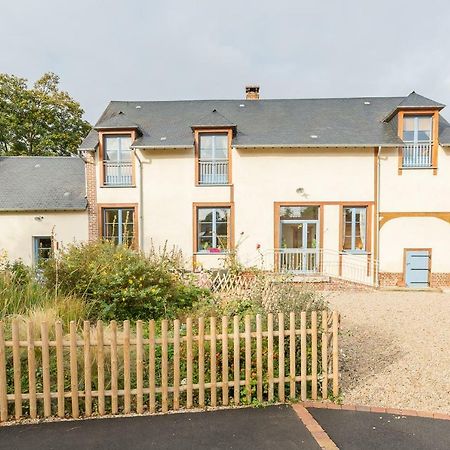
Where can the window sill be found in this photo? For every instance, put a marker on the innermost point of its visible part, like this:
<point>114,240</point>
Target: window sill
<point>119,186</point>
<point>212,185</point>
<point>418,168</point>
<point>206,253</point>
<point>354,253</point>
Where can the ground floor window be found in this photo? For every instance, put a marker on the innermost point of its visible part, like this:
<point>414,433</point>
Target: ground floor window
<point>42,248</point>
<point>118,225</point>
<point>354,233</point>
<point>213,229</point>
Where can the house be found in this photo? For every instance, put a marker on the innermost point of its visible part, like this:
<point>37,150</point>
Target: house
<point>349,188</point>
<point>42,205</point>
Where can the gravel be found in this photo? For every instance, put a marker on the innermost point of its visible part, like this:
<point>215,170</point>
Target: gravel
<point>395,349</point>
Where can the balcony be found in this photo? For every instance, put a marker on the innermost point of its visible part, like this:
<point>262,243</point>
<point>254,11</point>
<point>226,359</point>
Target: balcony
<point>213,171</point>
<point>117,173</point>
<point>417,155</point>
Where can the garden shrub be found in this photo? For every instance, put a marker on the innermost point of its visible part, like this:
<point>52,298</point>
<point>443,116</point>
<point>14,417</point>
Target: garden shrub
<point>119,282</point>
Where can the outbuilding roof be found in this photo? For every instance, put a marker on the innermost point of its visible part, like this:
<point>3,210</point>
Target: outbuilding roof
<point>322,122</point>
<point>42,183</point>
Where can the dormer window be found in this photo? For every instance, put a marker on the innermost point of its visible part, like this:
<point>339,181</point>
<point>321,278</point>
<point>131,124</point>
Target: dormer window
<point>213,159</point>
<point>117,160</point>
<point>418,139</point>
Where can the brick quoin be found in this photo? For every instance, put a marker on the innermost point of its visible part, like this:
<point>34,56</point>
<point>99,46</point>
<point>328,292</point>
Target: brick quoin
<point>91,193</point>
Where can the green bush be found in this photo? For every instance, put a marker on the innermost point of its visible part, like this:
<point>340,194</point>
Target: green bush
<point>119,282</point>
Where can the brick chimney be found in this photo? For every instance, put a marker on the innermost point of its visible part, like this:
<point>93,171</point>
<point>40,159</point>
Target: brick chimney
<point>252,92</point>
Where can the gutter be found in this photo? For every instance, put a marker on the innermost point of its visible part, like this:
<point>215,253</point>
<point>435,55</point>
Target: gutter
<point>377,212</point>
<point>141,203</point>
<point>145,147</point>
<point>312,145</point>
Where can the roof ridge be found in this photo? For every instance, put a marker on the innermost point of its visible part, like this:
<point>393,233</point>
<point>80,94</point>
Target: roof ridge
<point>260,100</point>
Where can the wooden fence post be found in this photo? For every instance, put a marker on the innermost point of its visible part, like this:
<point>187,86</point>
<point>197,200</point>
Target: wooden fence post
<point>87,368</point>
<point>46,370</point>
<point>314,355</point>
<point>248,358</point>
<point>164,367</point>
<point>225,360</point>
<point>3,388</point>
<point>114,374</point>
<point>189,363</point>
<point>324,354</point>
<point>73,369</point>
<point>60,367</point>
<point>139,368</point>
<point>151,366</point>
<point>292,355</point>
<point>335,354</point>
<point>17,370</point>
<point>259,376</point>
<point>213,349</point>
<point>31,370</point>
<point>201,362</point>
<point>281,371</point>
<point>303,356</point>
<point>176,365</point>
<point>100,369</point>
<point>236,362</point>
<point>270,356</point>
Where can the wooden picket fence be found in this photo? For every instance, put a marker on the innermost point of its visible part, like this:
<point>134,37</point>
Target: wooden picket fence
<point>98,370</point>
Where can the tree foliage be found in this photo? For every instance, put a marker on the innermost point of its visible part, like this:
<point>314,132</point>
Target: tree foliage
<point>38,120</point>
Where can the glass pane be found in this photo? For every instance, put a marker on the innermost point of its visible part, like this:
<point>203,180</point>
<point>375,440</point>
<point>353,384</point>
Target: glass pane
<point>206,146</point>
<point>127,216</point>
<point>311,237</point>
<point>205,214</point>
<point>292,235</point>
<point>222,229</point>
<point>299,213</point>
<point>221,146</point>
<point>222,215</point>
<point>205,229</point>
<point>204,243</point>
<point>111,216</point>
<point>125,150</point>
<point>112,145</point>
<point>222,242</point>
<point>110,230</point>
<point>348,236</point>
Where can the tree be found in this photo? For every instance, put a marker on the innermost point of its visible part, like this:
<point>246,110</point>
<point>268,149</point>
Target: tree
<point>38,120</point>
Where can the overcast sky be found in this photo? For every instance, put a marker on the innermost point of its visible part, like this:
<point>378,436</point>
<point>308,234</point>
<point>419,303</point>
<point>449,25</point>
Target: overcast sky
<point>166,50</point>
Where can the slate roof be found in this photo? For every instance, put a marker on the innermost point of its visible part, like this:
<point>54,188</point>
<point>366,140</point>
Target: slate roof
<point>42,183</point>
<point>119,120</point>
<point>328,122</point>
<point>415,101</point>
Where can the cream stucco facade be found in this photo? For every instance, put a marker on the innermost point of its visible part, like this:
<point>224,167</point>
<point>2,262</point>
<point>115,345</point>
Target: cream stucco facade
<point>19,229</point>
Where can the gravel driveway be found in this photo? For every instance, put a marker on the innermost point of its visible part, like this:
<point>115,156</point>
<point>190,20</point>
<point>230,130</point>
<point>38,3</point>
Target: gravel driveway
<point>395,348</point>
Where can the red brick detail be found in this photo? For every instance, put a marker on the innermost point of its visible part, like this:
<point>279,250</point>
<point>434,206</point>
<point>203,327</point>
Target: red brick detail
<point>440,280</point>
<point>317,432</point>
<point>374,409</point>
<point>387,279</point>
<point>437,280</point>
<point>91,192</point>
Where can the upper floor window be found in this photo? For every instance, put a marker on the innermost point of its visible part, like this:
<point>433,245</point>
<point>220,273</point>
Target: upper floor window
<point>418,138</point>
<point>354,233</point>
<point>118,225</point>
<point>213,229</point>
<point>213,158</point>
<point>117,162</point>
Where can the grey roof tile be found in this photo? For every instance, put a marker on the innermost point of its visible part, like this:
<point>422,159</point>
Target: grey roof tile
<point>42,183</point>
<point>118,120</point>
<point>352,122</point>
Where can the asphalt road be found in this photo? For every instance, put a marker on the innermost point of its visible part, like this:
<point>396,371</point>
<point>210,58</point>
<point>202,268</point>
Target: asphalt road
<point>276,427</point>
<point>351,430</point>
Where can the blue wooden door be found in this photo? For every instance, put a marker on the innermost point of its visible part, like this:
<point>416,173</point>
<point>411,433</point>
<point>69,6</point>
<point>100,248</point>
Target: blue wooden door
<point>417,268</point>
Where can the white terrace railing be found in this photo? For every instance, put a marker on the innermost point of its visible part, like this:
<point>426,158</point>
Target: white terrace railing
<point>356,268</point>
<point>118,173</point>
<point>213,171</point>
<point>417,155</point>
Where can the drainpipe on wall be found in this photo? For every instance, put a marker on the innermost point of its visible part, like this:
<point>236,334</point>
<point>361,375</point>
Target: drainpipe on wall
<point>377,282</point>
<point>141,203</point>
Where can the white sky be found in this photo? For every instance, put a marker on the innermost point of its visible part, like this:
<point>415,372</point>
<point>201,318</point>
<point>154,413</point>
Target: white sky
<point>166,50</point>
